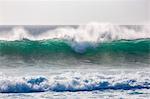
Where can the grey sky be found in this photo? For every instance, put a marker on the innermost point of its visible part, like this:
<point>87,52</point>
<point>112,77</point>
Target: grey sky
<point>148,10</point>
<point>37,12</point>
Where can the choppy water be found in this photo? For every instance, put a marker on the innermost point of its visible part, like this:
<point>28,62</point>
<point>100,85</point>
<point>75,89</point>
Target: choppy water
<point>91,61</point>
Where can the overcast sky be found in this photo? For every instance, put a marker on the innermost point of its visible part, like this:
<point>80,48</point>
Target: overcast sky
<point>38,12</point>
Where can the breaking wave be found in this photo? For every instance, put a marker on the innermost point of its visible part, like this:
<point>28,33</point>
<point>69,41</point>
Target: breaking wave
<point>92,40</point>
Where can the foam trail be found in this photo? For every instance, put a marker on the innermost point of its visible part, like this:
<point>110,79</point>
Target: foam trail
<point>75,82</point>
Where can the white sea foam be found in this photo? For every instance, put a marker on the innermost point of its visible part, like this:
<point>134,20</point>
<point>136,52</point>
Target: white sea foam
<point>75,82</point>
<point>92,32</point>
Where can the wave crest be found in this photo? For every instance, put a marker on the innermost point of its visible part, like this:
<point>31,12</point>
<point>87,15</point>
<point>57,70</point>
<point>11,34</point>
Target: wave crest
<point>92,32</point>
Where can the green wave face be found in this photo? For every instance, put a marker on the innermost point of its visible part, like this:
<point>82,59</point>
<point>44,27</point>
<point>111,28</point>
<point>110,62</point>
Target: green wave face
<point>136,50</point>
<point>33,48</point>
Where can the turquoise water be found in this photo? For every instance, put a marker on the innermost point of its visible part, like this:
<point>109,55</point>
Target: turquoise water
<point>138,50</point>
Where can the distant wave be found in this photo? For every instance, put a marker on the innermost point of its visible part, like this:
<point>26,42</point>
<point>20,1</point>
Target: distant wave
<point>73,82</point>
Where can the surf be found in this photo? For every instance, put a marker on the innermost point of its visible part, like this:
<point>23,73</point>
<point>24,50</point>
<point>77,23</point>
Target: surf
<point>74,82</point>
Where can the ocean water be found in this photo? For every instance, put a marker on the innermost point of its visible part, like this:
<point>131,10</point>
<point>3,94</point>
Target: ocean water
<point>90,61</point>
